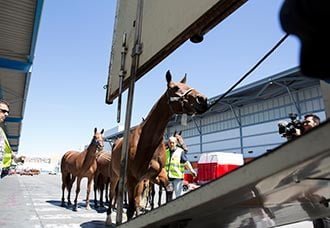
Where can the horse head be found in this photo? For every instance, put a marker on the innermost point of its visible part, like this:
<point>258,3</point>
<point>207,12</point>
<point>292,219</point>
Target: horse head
<point>20,159</point>
<point>180,141</point>
<point>184,99</point>
<point>98,139</point>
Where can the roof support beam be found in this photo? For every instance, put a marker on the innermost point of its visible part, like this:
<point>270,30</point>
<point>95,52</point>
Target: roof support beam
<point>13,137</point>
<point>15,65</point>
<point>14,119</point>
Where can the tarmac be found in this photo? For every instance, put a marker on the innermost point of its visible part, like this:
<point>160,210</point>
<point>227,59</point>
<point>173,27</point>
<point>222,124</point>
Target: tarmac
<point>35,202</point>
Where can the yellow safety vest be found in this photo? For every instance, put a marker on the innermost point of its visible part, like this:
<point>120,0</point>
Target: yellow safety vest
<point>7,151</point>
<point>173,167</point>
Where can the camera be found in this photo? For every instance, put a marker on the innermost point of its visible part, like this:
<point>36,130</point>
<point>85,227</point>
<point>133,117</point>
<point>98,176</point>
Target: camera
<point>289,129</point>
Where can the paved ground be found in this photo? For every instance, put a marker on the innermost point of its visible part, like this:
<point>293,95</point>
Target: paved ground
<point>34,202</point>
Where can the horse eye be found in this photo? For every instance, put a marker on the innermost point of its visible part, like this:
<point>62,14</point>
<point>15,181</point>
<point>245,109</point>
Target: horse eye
<point>175,88</point>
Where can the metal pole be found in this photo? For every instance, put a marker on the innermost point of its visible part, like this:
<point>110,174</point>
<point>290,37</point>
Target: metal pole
<point>240,130</point>
<point>200,136</point>
<point>121,74</point>
<point>291,97</point>
<point>239,121</point>
<point>135,63</point>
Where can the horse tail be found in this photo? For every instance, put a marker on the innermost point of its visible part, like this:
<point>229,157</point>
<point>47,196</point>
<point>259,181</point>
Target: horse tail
<point>63,160</point>
<point>68,179</point>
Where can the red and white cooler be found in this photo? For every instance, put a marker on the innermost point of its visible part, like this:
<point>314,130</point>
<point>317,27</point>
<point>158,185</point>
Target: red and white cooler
<point>216,164</point>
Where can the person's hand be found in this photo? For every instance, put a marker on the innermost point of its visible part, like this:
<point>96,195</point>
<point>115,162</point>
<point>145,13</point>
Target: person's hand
<point>298,132</point>
<point>193,172</point>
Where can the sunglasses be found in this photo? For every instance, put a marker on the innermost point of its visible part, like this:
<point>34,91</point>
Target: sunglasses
<point>4,111</point>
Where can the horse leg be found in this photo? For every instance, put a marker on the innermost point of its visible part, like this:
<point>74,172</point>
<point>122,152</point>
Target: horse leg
<point>145,195</point>
<point>164,182</point>
<point>107,190</point>
<point>138,194</point>
<point>75,206</point>
<point>160,193</point>
<point>125,197</point>
<point>89,185</point>
<point>64,185</point>
<point>113,186</point>
<point>149,195</point>
<point>101,192</point>
<point>95,190</point>
<point>70,181</point>
<point>152,195</point>
<point>131,198</point>
<point>134,189</point>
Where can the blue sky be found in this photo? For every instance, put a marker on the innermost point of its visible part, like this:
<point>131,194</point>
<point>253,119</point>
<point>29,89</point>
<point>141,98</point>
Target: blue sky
<point>66,99</point>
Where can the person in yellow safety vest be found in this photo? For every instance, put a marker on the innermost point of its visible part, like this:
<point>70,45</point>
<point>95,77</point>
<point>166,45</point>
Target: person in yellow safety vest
<point>6,152</point>
<point>176,162</point>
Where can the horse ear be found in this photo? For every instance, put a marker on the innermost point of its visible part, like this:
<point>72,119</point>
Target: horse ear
<point>180,132</point>
<point>184,79</point>
<point>102,131</point>
<point>95,130</point>
<point>174,133</point>
<point>168,76</point>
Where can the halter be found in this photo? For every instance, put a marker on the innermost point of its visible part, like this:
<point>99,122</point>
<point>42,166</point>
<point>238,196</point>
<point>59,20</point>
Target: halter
<point>183,146</point>
<point>179,98</point>
<point>97,143</point>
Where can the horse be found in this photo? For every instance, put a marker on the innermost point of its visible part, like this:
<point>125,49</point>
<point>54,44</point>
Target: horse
<point>75,164</point>
<point>102,176</point>
<point>146,152</point>
<point>20,159</point>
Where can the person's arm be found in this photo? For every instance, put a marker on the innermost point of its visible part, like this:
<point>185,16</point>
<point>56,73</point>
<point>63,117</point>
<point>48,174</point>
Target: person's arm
<point>188,166</point>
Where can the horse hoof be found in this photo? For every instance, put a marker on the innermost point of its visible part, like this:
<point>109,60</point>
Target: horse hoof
<point>88,207</point>
<point>74,209</point>
<point>129,214</point>
<point>108,222</point>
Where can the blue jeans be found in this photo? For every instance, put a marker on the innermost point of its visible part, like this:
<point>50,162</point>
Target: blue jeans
<point>177,187</point>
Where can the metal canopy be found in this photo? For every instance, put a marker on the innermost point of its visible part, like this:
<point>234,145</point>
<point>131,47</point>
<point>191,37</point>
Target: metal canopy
<point>19,24</point>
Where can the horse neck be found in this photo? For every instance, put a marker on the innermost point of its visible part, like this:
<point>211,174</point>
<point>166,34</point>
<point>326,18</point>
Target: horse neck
<point>89,156</point>
<point>153,129</point>
<point>155,124</point>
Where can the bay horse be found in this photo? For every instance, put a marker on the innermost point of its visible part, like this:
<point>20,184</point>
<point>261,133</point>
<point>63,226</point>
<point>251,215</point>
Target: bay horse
<point>146,152</point>
<point>75,164</point>
<point>102,176</point>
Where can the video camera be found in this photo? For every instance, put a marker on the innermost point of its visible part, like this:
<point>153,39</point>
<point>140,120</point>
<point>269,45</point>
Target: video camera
<point>289,129</point>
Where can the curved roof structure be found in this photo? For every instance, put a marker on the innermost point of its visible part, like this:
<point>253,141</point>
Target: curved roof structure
<point>19,25</point>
